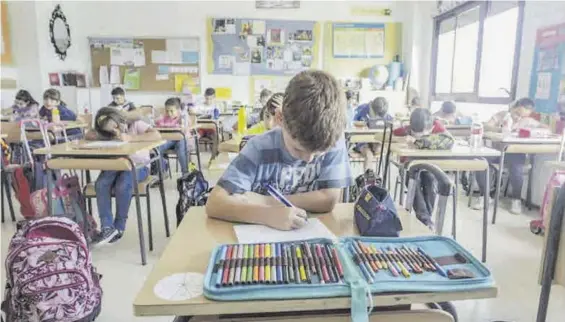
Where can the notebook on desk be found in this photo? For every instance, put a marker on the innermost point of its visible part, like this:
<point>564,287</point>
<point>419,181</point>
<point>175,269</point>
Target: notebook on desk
<point>95,145</point>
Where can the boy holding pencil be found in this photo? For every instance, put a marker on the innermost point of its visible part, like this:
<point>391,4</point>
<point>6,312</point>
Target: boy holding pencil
<point>305,160</point>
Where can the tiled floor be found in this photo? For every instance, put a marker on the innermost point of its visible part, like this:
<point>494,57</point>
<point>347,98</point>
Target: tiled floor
<point>513,257</point>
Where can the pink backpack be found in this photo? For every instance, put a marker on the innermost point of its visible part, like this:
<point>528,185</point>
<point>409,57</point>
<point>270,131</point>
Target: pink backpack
<point>50,276</point>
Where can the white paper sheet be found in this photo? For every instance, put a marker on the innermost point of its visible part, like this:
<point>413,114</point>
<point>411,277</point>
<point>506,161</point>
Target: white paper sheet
<point>138,57</point>
<point>180,286</point>
<point>263,234</point>
<point>251,41</point>
<point>115,75</point>
<point>225,61</point>
<point>159,57</point>
<point>118,56</point>
<point>174,45</point>
<point>258,27</point>
<point>174,57</point>
<point>104,75</point>
<point>162,77</point>
<point>102,145</point>
<point>241,69</point>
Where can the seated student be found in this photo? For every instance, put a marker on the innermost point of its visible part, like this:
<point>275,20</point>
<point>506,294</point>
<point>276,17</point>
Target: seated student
<point>519,114</point>
<point>25,107</point>
<point>449,116</point>
<point>112,124</point>
<point>209,109</point>
<point>172,118</point>
<point>231,124</point>
<point>271,116</point>
<point>429,134</point>
<point>369,115</point>
<point>351,108</point>
<point>263,98</point>
<point>119,100</point>
<point>51,101</point>
<point>305,159</point>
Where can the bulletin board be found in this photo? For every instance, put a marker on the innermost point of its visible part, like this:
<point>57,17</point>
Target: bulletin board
<point>6,44</point>
<point>243,47</point>
<point>147,64</point>
<point>273,83</point>
<point>547,82</point>
<point>360,46</point>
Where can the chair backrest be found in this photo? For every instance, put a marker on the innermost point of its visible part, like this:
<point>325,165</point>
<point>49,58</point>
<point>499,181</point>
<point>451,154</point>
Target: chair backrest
<point>12,129</point>
<point>561,150</point>
<point>146,110</point>
<point>87,118</point>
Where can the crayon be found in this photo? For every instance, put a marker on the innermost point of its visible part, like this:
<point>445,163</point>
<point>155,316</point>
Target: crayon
<point>308,253</point>
<point>317,262</point>
<point>220,266</point>
<point>267,263</point>
<point>363,259</point>
<point>227,262</point>
<point>238,261</point>
<point>285,264</point>
<point>273,264</point>
<point>337,261</point>
<point>249,278</point>
<point>325,274</point>
<point>357,260</point>
<point>383,262</point>
<point>333,264</point>
<point>261,263</point>
<point>243,278</point>
<point>297,265</point>
<point>300,249</point>
<point>280,277</point>
<point>256,264</point>
<point>232,265</point>
<point>372,256</point>
<point>440,270</point>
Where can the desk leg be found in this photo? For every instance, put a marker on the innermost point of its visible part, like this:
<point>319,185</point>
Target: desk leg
<point>402,179</point>
<point>497,188</point>
<point>485,215</point>
<point>162,191</point>
<point>197,152</point>
<point>529,189</point>
<point>454,219</point>
<point>49,192</point>
<point>138,211</point>
<point>551,252</point>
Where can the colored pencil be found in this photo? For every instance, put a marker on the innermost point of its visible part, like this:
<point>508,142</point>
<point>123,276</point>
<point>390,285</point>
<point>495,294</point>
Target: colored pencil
<point>238,263</point>
<point>333,264</point>
<point>363,259</point>
<point>368,257</point>
<point>392,261</point>
<point>280,277</point>
<point>392,268</point>
<point>256,264</point>
<point>274,279</point>
<point>304,269</point>
<point>233,264</point>
<point>291,275</point>
<point>285,264</point>
<point>399,262</point>
<point>372,256</point>
<point>304,257</point>
<point>261,263</point>
<point>416,268</point>
<point>267,263</point>
<point>243,278</point>
<point>440,270</point>
<point>420,258</point>
<point>325,274</point>
<point>249,278</point>
<point>358,261</point>
<point>317,262</point>
<point>220,266</point>
<point>298,277</point>
<point>227,263</point>
<point>337,261</point>
<point>382,261</point>
<point>308,253</point>
<point>334,277</point>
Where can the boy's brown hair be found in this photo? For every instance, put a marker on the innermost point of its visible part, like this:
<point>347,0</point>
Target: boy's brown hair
<point>314,110</point>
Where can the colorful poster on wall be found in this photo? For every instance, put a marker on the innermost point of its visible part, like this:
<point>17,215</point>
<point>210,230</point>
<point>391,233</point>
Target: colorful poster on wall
<point>244,47</point>
<point>358,40</point>
<point>547,82</point>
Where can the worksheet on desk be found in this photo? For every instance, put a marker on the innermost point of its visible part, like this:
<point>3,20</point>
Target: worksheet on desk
<point>102,144</point>
<point>252,234</point>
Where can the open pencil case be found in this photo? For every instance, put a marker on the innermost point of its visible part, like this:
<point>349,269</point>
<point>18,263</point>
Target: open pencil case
<point>446,253</point>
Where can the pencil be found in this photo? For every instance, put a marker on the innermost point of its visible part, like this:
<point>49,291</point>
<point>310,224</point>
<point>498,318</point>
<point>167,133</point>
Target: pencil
<point>399,263</point>
<point>280,277</point>
<point>363,259</point>
<point>440,270</point>
<point>384,265</point>
<point>267,263</point>
<point>392,268</point>
<point>304,269</point>
<point>372,256</point>
<point>325,270</point>
<point>420,258</point>
<point>415,267</point>
<point>291,275</point>
<point>304,257</point>
<point>243,278</point>
<point>238,263</point>
<point>331,271</point>
<point>284,264</point>
<point>274,279</point>
<point>308,253</point>
<point>220,266</point>
<point>261,263</point>
<point>227,262</point>
<point>359,263</point>
<point>317,262</point>
<point>297,266</point>
<point>365,255</point>
<point>233,264</point>
<point>337,261</point>
<point>332,261</point>
<point>256,264</point>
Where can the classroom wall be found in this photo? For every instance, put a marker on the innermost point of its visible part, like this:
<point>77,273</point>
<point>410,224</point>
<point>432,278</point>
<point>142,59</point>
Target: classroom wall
<point>157,19</point>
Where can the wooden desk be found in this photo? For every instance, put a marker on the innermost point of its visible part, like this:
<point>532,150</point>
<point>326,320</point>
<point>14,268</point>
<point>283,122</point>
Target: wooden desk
<point>70,156</point>
<point>231,145</point>
<point>459,130</point>
<point>513,144</point>
<point>178,134</point>
<point>458,151</point>
<point>189,251</point>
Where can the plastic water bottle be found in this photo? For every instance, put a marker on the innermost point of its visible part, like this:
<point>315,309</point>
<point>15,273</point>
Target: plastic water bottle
<point>55,116</point>
<point>476,138</point>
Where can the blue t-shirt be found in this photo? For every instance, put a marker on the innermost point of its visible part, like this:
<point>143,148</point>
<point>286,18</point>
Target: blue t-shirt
<point>364,115</point>
<point>265,160</point>
<point>65,114</point>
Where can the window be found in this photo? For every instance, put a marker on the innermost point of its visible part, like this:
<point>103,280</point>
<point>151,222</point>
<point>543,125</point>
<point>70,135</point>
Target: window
<point>475,52</point>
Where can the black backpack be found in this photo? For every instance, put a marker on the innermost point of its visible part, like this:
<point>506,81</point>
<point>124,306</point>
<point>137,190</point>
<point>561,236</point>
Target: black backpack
<point>193,191</point>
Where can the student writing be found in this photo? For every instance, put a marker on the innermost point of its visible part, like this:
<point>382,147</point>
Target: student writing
<point>172,118</point>
<point>25,107</point>
<point>448,114</point>
<point>111,124</point>
<point>305,159</point>
<point>119,100</point>
<point>519,116</point>
<point>370,115</point>
<point>271,115</point>
<point>425,133</point>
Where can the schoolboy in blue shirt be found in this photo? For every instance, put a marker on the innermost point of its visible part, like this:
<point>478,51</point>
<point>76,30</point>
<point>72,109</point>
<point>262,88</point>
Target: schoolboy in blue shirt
<point>305,159</point>
<point>367,116</point>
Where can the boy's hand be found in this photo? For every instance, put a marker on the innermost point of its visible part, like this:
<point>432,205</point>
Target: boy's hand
<point>287,218</point>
